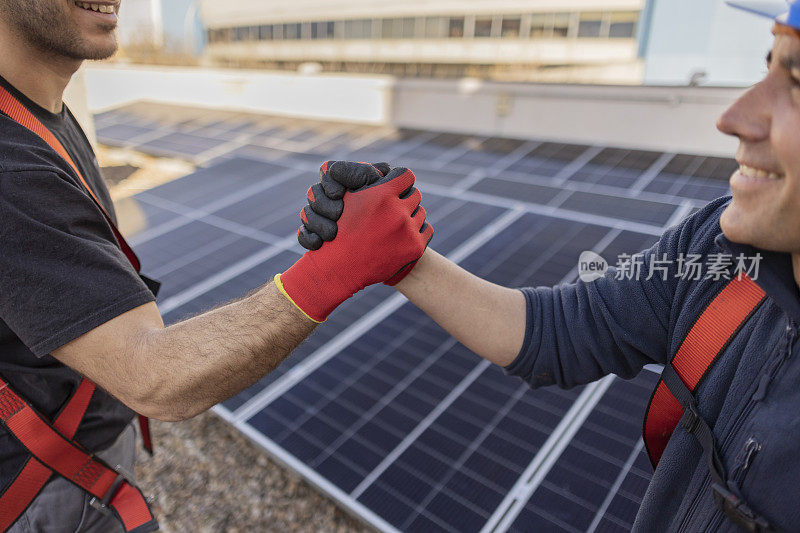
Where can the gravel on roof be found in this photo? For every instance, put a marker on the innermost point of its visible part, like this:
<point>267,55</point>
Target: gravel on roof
<point>207,477</point>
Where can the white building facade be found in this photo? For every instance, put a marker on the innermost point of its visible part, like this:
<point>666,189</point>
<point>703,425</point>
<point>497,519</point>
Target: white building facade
<point>567,40</point>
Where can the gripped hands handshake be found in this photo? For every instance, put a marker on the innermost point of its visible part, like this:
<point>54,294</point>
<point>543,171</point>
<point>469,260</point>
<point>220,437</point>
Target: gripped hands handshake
<point>363,225</point>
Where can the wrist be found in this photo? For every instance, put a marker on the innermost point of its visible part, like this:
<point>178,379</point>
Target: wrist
<point>282,289</point>
<point>417,274</point>
<point>313,291</point>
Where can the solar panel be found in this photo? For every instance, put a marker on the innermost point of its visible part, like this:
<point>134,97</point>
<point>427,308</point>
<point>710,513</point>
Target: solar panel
<point>121,134</point>
<point>381,408</point>
<point>180,145</point>
<point>689,176</point>
<point>602,472</point>
<point>529,192</point>
<point>488,152</point>
<point>616,167</point>
<point>657,213</point>
<point>548,159</point>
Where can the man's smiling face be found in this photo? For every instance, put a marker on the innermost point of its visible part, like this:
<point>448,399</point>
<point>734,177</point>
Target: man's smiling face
<point>66,28</point>
<point>765,211</point>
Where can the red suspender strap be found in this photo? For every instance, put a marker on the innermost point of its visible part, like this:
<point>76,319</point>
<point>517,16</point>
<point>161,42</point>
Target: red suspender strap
<point>19,113</point>
<point>57,452</point>
<point>705,342</point>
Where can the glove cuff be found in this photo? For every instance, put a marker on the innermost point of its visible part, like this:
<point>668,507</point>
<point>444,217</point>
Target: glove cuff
<point>313,291</point>
<point>282,288</point>
<point>401,274</point>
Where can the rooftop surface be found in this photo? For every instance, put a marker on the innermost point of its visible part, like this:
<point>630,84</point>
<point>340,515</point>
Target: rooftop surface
<point>380,408</point>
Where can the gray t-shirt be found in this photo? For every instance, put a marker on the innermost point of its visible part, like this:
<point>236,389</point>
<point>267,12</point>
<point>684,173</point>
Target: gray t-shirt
<point>62,274</point>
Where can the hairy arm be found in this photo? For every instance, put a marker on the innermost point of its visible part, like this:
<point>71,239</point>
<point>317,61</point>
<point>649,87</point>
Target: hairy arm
<point>176,372</point>
<point>486,318</point>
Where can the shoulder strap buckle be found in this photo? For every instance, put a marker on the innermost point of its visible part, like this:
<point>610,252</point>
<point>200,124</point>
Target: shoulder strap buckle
<point>691,417</point>
<point>738,511</point>
<point>123,476</point>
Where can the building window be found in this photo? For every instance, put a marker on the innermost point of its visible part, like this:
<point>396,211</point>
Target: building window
<point>541,25</point>
<point>483,26</point>
<point>322,30</point>
<point>366,28</point>
<point>358,29</point>
<point>510,26</point>
<point>623,25</point>
<point>409,28</point>
<point>391,28</point>
<point>291,31</point>
<point>456,27</point>
<point>561,23</point>
<point>419,26</point>
<point>590,24</point>
<point>435,28</point>
<point>265,32</point>
<point>242,33</point>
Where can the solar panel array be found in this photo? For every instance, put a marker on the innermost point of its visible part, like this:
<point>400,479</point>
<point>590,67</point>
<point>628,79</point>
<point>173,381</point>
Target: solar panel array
<point>381,408</point>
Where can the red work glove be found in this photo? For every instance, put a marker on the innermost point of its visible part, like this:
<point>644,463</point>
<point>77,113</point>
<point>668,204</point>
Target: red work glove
<point>373,234</point>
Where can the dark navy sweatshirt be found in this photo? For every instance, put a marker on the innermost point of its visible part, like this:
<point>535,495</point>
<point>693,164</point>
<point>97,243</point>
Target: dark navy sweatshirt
<point>580,332</point>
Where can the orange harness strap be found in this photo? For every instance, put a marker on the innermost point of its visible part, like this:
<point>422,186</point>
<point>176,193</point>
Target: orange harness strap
<point>20,114</point>
<point>705,342</point>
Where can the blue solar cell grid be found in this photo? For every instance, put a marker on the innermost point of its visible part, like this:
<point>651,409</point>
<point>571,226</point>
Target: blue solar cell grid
<point>601,476</point>
<point>402,424</point>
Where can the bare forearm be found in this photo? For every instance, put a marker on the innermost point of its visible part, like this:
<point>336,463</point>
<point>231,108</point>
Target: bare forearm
<point>487,318</point>
<point>199,362</point>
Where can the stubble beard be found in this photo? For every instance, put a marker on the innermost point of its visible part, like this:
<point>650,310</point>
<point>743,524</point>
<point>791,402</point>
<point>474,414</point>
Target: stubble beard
<point>44,25</point>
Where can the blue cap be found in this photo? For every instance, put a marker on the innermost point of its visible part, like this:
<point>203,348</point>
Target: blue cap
<point>788,15</point>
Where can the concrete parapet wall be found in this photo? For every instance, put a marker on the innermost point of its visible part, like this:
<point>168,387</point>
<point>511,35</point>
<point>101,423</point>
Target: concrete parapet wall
<point>680,119</point>
<point>326,97</point>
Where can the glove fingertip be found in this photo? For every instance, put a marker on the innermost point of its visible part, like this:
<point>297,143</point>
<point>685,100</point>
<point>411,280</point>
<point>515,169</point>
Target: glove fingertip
<point>332,188</point>
<point>382,167</point>
<point>354,175</point>
<point>308,239</point>
<point>401,181</point>
<point>399,171</point>
<point>323,205</point>
<point>407,193</point>
<point>429,231</point>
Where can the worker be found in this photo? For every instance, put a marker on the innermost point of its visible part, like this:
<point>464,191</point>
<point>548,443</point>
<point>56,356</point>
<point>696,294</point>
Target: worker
<point>722,428</point>
<point>82,344</point>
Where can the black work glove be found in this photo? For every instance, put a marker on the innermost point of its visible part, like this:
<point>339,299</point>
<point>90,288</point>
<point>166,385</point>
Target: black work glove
<point>325,199</point>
